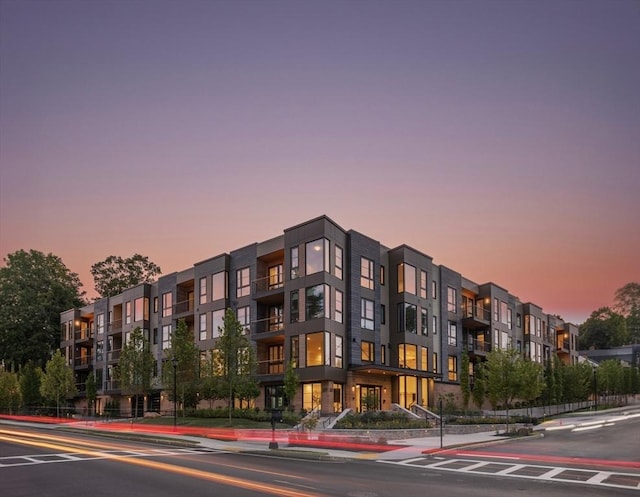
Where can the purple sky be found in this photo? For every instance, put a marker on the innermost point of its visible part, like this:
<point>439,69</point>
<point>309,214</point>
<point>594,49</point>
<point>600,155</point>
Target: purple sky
<point>501,138</point>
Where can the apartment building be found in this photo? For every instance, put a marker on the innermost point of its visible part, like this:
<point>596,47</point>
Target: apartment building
<point>359,321</point>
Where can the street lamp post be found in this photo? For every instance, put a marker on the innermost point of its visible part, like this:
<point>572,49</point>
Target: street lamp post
<point>174,361</point>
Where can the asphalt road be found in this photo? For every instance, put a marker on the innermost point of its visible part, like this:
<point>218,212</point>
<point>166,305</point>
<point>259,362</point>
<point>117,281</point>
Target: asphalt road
<point>53,464</point>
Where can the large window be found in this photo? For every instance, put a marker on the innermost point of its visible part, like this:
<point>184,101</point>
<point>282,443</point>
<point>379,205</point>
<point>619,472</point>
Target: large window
<point>406,278</point>
<point>295,263</point>
<point>167,304</point>
<point>311,396</point>
<point>367,314</point>
<point>338,307</point>
<point>316,349</point>
<point>166,336</point>
<point>316,305</point>
<point>408,356</point>
<point>452,299</point>
<point>217,322</point>
<point>452,334</point>
<point>366,273</point>
<point>338,265</point>
<point>452,366</point>
<point>424,359</point>
<point>294,310</point>
<point>100,324</point>
<point>276,277</point>
<point>504,309</point>
<point>276,359</point>
<point>424,321</point>
<point>244,318</point>
<point>317,256</point>
<point>243,281</point>
<point>203,327</point>
<point>141,309</point>
<point>423,284</point>
<point>338,358</point>
<point>203,290</point>
<point>367,351</point>
<point>407,318</point>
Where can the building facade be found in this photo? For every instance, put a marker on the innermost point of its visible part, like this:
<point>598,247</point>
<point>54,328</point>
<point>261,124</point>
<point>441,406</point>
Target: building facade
<point>364,325</point>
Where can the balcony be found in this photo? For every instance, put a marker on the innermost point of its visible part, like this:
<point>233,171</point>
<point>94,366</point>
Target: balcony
<point>111,385</point>
<point>475,317</point>
<point>113,355</point>
<point>478,347</point>
<point>271,367</point>
<point>115,326</point>
<point>84,335</point>
<point>82,362</point>
<point>563,345</point>
<point>270,288</point>
<point>267,325</point>
<point>183,307</point>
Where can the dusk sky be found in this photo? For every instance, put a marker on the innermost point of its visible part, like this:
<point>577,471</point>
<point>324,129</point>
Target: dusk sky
<point>502,138</point>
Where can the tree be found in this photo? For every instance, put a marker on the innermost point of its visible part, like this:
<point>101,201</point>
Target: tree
<point>465,388</point>
<point>30,376</point>
<point>58,382</point>
<point>184,349</point>
<point>235,358</point>
<point>34,289</point>
<point>291,382</point>
<point>504,377</point>
<point>604,329</point>
<point>627,303</point>
<point>115,274</point>
<point>532,381</point>
<point>135,367</point>
<point>478,391</point>
<point>9,391</point>
<point>92,392</point>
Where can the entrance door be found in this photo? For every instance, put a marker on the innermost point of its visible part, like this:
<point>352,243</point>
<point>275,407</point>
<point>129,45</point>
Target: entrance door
<point>370,398</point>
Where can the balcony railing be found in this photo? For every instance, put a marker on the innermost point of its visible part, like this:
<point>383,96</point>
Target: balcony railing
<point>475,345</point>
<point>82,361</point>
<point>563,345</point>
<point>85,334</point>
<point>475,311</point>
<point>183,306</point>
<point>114,326</point>
<point>112,385</point>
<point>266,325</point>
<point>269,283</point>
<point>271,367</point>
<point>113,355</point>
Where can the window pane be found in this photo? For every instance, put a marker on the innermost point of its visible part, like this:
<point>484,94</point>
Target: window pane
<point>314,302</point>
<point>219,286</point>
<point>315,256</point>
<point>315,349</point>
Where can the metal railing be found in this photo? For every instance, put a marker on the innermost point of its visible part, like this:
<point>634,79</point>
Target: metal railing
<point>84,334</point>
<point>184,306</point>
<point>476,345</point>
<point>274,323</point>
<point>82,361</point>
<point>113,355</point>
<point>269,283</point>
<point>271,367</point>
<point>475,311</point>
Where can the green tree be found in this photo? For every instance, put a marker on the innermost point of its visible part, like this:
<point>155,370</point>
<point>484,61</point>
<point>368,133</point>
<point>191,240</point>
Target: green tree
<point>532,381</point>
<point>627,303</point>
<point>479,390</point>
<point>604,329</point>
<point>235,359</point>
<point>34,289</point>
<point>465,387</point>
<point>115,274</point>
<point>58,382</point>
<point>610,378</point>
<point>291,382</point>
<point>504,378</point>
<point>30,376</point>
<point>187,353</point>
<point>92,392</point>
<point>135,367</point>
<point>10,398</point>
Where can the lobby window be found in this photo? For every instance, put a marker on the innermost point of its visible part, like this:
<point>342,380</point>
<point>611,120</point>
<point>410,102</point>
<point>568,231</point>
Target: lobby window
<point>127,313</point>
<point>406,278</point>
<point>167,304</point>
<point>452,299</point>
<point>424,322</point>
<point>423,284</point>
<point>452,368</point>
<point>294,311</point>
<point>316,349</point>
<point>217,322</point>
<point>452,334</point>
<point>166,336</point>
<point>295,351</point>
<point>338,358</point>
<point>203,290</point>
<point>203,327</point>
<point>317,256</point>
<point>244,318</point>
<point>367,351</point>
<point>276,277</point>
<point>243,282</point>
<point>408,356</point>
<point>339,262</point>
<point>366,273</point>
<point>367,314</point>
<point>315,304</point>
<point>311,396</point>
<point>338,307</point>
<point>407,318</point>
<point>295,263</point>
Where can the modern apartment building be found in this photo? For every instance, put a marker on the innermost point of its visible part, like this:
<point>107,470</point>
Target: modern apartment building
<point>359,320</point>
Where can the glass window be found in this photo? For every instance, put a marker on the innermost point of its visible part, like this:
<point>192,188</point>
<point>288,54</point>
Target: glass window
<point>317,256</point>
<point>338,359</point>
<point>217,322</point>
<point>383,314</point>
<point>367,314</point>
<point>155,305</point>
<point>167,304</point>
<point>424,361</point>
<point>315,305</point>
<point>166,336</point>
<point>203,327</point>
<point>424,322</point>
<point>366,273</point>
<point>435,362</point>
<point>406,278</point>
<point>503,312</point>
<point>127,312</point>
<point>383,354</point>
<point>295,351</point>
<point>244,318</point>
<point>423,284</point>
<point>295,307</point>
<point>311,396</point>
<point>452,299</point>
<point>100,324</point>
<point>434,287</point>
<point>315,349</point>
<point>203,290</point>
<point>338,306</point>
<point>276,317</point>
<point>407,318</point>
<point>295,263</point>
<point>452,334</point>
<point>408,356</point>
<point>219,287</point>
<point>138,310</point>
<point>382,276</point>
<point>99,350</point>
<point>452,365</point>
<point>496,310</point>
<point>434,324</point>
<point>367,351</point>
<point>338,268</point>
<point>243,281</point>
<point>276,277</point>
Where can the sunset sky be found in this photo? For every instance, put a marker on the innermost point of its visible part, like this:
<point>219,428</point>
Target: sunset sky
<point>502,138</point>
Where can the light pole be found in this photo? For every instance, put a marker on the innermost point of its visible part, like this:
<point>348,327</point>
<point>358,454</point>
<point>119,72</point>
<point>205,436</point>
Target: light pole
<point>174,361</point>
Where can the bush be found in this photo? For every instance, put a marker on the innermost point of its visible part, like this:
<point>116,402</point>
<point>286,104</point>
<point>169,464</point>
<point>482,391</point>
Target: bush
<point>380,420</point>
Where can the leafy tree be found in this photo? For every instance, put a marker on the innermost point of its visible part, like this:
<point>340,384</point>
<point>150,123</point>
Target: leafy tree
<point>92,392</point>
<point>135,367</point>
<point>604,329</point>
<point>532,380</point>
<point>9,392</point>
<point>610,378</point>
<point>577,382</point>
<point>30,376</point>
<point>235,359</point>
<point>479,390</point>
<point>115,274</point>
<point>58,382</point>
<point>291,382</point>
<point>504,376</point>
<point>627,303</point>
<point>464,380</point>
<point>34,289</point>
<point>184,349</point>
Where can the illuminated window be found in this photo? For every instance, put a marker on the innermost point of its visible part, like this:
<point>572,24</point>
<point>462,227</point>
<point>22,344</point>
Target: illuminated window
<point>367,351</point>
<point>408,356</point>
<point>317,256</point>
<point>366,273</point>
<point>424,359</point>
<point>406,278</point>
<point>276,277</point>
<point>315,349</point>
<point>452,368</point>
